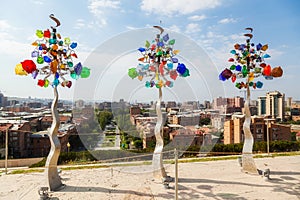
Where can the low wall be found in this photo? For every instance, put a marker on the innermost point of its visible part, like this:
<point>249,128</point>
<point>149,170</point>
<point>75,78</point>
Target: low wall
<point>25,162</point>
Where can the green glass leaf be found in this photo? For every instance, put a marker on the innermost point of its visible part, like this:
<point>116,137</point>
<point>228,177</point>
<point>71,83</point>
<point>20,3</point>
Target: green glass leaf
<point>85,72</point>
<point>159,53</point>
<point>171,42</point>
<point>244,71</point>
<point>132,73</point>
<point>232,67</point>
<point>147,44</point>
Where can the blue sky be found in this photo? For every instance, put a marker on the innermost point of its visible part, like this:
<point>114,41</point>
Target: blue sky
<point>212,26</point>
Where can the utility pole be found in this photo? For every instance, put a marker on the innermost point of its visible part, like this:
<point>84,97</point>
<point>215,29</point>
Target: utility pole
<point>6,150</point>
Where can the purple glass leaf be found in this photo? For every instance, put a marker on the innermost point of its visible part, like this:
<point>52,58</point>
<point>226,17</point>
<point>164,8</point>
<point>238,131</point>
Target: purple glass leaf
<point>34,54</point>
<point>226,73</point>
<point>174,60</point>
<point>78,68</point>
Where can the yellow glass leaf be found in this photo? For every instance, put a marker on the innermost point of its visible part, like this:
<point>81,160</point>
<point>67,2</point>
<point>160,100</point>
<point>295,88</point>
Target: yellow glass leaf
<point>243,62</point>
<point>156,76</point>
<point>251,76</point>
<point>19,70</point>
<point>176,52</point>
<point>62,66</point>
<point>160,83</point>
<point>140,78</point>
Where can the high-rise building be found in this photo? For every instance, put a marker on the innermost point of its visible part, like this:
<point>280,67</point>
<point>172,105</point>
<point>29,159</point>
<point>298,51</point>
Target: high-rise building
<point>3,100</point>
<point>289,102</point>
<point>272,105</point>
<point>262,105</point>
<point>234,133</point>
<point>228,105</point>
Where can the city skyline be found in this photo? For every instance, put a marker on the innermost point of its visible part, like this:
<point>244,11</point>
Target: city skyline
<point>205,32</point>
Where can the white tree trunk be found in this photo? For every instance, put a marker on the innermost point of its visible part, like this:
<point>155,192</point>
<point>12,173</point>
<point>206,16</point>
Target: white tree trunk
<point>248,161</point>
<point>53,179</point>
<point>159,170</point>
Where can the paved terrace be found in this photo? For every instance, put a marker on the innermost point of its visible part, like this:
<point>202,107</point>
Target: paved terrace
<point>216,180</point>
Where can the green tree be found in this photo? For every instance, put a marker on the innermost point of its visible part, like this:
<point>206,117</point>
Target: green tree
<point>104,118</point>
<point>293,136</point>
<point>204,121</point>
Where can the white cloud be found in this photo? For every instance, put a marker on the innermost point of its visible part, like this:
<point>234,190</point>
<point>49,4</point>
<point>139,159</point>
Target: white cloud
<point>197,17</point>
<point>131,28</point>
<point>175,28</point>
<point>98,7</point>
<point>227,21</point>
<point>38,2</point>
<point>4,25</point>
<point>177,7</point>
<point>79,23</point>
<point>192,28</point>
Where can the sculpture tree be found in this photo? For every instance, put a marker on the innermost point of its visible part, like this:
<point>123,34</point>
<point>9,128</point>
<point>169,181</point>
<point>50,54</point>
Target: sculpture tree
<point>159,62</point>
<point>55,57</point>
<point>248,62</point>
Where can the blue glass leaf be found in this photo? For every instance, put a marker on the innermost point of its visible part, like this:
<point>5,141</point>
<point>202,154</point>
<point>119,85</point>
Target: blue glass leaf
<point>233,51</point>
<point>258,46</point>
<point>141,49</point>
<point>73,45</point>
<point>269,77</point>
<point>170,65</point>
<point>259,84</point>
<point>222,78</point>
<point>266,56</point>
<point>181,68</point>
<point>160,44</point>
<point>47,59</point>
<point>166,37</point>
<point>238,68</point>
<point>55,82</point>
<point>146,67</point>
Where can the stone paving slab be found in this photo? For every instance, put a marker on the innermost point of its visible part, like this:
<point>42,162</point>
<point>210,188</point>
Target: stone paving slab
<point>216,180</point>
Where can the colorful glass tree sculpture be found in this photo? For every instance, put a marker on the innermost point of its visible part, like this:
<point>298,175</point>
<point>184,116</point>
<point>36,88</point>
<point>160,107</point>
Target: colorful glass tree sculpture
<point>159,62</point>
<point>248,62</point>
<point>55,56</point>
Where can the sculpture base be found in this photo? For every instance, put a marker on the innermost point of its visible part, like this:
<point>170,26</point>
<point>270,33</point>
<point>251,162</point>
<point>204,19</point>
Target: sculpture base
<point>54,180</point>
<point>248,164</point>
<point>159,173</point>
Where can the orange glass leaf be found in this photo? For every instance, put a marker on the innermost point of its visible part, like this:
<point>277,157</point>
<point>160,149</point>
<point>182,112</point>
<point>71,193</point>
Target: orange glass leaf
<point>265,47</point>
<point>141,59</point>
<point>53,66</point>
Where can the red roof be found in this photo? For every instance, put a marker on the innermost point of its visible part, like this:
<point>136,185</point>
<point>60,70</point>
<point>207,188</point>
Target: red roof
<point>3,127</point>
<point>62,118</point>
